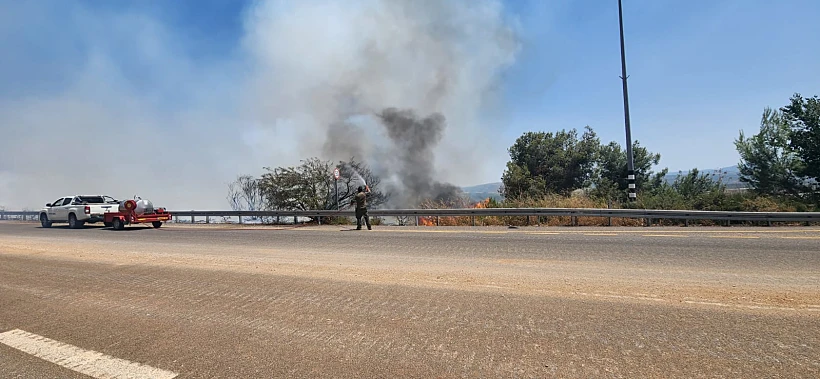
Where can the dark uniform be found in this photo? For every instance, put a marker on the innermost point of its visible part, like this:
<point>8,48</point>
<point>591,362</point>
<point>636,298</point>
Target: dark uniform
<point>361,208</point>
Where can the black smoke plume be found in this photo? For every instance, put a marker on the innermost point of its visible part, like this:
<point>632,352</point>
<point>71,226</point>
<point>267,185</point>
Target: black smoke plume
<point>413,141</point>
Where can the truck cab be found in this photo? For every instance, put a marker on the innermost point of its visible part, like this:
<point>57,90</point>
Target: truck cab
<point>77,210</point>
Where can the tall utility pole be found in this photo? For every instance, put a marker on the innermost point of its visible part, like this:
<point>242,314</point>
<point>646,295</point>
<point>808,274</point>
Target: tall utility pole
<point>629,158</point>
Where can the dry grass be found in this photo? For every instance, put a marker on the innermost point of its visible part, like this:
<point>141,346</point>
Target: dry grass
<point>552,201</point>
<point>580,201</point>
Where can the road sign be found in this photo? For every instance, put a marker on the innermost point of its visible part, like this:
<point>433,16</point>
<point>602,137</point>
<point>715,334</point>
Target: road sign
<point>336,176</point>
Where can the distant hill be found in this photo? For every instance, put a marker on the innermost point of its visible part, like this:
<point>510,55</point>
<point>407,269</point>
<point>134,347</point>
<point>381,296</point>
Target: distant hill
<point>483,191</point>
<point>730,176</point>
<point>483,188</point>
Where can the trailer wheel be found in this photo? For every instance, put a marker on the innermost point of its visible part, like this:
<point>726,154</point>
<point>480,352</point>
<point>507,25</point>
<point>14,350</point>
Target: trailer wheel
<point>156,224</point>
<point>118,224</point>
<point>44,221</point>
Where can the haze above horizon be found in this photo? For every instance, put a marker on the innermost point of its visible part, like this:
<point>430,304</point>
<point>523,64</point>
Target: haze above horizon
<point>162,98</point>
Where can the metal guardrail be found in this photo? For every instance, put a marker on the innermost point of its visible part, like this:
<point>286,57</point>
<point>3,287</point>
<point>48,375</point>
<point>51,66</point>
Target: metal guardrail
<point>483,212</point>
<point>17,213</point>
<point>577,212</point>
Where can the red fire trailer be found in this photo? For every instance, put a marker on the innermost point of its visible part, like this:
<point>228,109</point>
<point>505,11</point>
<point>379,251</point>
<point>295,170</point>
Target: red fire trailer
<point>136,212</point>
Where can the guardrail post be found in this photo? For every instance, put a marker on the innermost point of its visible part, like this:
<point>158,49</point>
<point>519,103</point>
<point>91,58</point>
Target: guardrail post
<point>686,222</point>
<point>436,220</point>
<point>574,221</point>
<point>609,221</point>
<point>240,219</point>
<point>473,219</point>
<point>207,219</point>
<point>193,220</point>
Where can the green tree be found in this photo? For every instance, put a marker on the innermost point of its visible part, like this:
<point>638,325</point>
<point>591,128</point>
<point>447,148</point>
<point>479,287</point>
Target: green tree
<point>517,183</point>
<point>311,186</point>
<point>543,162</point>
<point>664,196</point>
<point>803,117</point>
<point>610,174</point>
<point>768,162</point>
<point>699,191</point>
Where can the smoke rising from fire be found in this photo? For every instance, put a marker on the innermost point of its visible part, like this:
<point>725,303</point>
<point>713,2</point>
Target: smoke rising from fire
<point>414,139</point>
<point>130,109</point>
<point>404,87</point>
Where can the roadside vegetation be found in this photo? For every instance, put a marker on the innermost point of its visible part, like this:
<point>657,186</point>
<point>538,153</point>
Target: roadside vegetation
<point>779,165</point>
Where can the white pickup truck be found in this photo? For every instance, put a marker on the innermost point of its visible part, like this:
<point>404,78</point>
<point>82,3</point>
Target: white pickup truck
<point>77,210</point>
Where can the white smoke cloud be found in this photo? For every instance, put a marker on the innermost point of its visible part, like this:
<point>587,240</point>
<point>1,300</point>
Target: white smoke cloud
<point>177,132</point>
<point>429,56</point>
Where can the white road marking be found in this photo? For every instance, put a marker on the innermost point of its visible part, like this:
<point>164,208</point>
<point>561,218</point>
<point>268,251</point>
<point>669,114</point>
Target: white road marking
<point>810,308</point>
<point>733,237</point>
<point>488,286</point>
<point>719,304</point>
<point>86,362</point>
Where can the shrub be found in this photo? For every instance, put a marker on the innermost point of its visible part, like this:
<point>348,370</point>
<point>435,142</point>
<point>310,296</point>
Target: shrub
<point>665,197</point>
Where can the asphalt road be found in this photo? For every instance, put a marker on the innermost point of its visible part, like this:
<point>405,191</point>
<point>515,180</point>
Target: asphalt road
<point>214,301</point>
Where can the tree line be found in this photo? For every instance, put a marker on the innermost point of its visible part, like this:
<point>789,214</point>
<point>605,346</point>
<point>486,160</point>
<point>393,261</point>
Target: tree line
<point>307,186</point>
<point>780,164</point>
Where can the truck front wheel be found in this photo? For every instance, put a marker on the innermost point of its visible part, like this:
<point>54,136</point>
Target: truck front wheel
<point>44,221</point>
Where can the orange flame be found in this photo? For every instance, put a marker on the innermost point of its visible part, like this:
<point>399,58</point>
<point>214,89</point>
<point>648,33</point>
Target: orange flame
<point>427,221</point>
<point>431,221</point>
<point>483,204</point>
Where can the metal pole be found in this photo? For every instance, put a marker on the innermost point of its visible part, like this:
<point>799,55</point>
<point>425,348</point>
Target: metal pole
<point>336,183</point>
<point>630,162</point>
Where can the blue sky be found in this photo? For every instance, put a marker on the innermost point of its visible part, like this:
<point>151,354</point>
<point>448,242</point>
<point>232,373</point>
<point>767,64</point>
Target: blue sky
<point>699,71</point>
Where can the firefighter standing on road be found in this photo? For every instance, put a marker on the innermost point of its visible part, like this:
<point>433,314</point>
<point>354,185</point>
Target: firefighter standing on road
<point>361,207</point>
